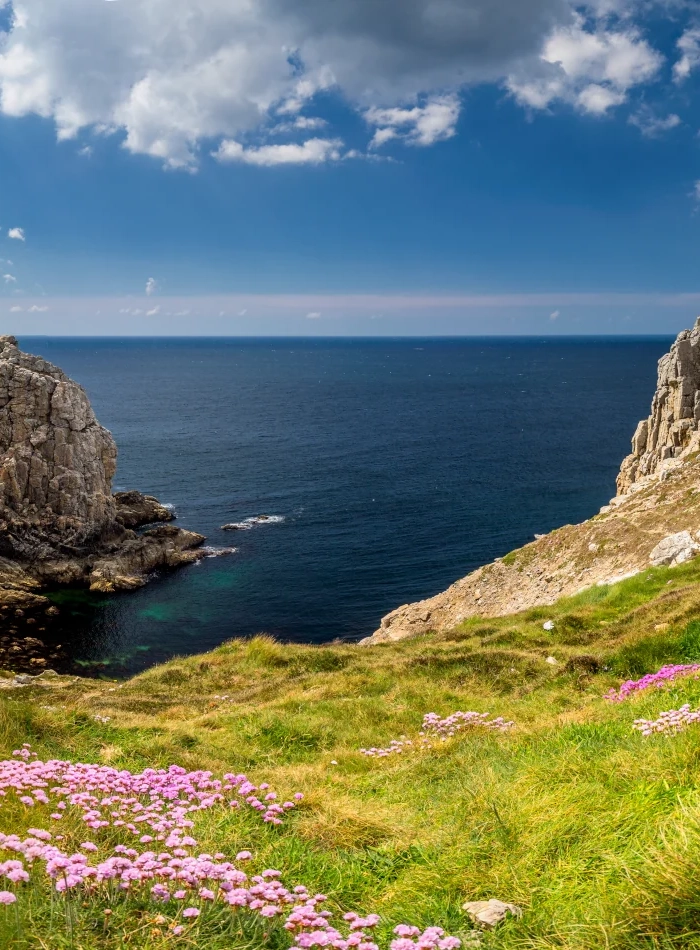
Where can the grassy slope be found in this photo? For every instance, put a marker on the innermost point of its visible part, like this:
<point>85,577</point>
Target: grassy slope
<point>593,829</point>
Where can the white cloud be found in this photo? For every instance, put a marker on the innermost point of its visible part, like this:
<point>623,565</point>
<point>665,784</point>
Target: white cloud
<point>243,312</point>
<point>554,315</point>
<point>314,315</point>
<point>17,234</point>
<point>420,125</point>
<point>651,125</point>
<point>151,286</point>
<point>9,279</point>
<point>167,75</point>
<point>85,151</point>
<point>16,309</point>
<point>154,312</point>
<point>689,48</point>
<point>35,308</point>
<point>182,313</point>
<point>696,191</point>
<point>311,152</point>
<point>592,70</point>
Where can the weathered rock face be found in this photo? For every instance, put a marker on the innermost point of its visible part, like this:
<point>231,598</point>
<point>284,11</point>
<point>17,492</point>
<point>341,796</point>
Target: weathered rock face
<point>672,431</point>
<point>56,461</point>
<point>59,522</point>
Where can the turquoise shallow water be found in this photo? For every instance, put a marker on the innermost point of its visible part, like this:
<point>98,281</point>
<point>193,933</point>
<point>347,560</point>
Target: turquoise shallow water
<point>398,466</point>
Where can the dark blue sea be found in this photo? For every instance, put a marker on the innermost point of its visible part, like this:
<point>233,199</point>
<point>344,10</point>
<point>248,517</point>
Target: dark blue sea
<point>397,466</point>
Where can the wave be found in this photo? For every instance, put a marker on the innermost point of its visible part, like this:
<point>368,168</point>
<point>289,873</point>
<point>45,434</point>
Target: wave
<point>210,551</point>
<point>249,523</point>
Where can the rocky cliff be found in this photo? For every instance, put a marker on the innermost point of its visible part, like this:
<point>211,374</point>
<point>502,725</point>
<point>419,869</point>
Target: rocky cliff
<point>654,519</point>
<point>672,430</point>
<point>59,521</point>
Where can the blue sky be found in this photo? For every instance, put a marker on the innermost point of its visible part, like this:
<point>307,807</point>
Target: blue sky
<point>322,167</point>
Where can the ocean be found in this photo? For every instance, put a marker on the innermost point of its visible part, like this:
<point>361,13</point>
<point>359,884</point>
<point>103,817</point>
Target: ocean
<point>393,467</point>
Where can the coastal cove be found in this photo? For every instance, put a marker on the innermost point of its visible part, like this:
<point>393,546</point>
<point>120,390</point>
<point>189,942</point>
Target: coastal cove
<point>397,466</point>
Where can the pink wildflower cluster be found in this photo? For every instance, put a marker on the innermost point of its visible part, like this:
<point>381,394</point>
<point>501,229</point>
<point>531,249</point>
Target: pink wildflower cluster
<point>181,881</point>
<point>436,728</point>
<point>156,800</point>
<point>671,722</point>
<point>665,675</point>
<point>181,884</point>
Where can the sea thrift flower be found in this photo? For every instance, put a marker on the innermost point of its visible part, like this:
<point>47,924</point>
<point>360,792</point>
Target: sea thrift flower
<point>441,729</point>
<point>667,674</point>
<point>165,801</point>
<point>671,722</point>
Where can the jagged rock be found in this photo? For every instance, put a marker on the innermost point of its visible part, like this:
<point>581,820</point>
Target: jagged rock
<point>59,522</point>
<point>488,914</point>
<point>674,549</point>
<point>672,431</point>
<point>135,509</point>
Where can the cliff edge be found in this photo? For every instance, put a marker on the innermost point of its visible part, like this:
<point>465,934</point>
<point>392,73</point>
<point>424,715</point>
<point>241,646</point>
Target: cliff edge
<point>60,523</point>
<point>654,519</point>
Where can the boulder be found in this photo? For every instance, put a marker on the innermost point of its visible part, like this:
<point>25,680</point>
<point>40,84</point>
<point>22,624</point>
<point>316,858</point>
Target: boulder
<point>135,510</point>
<point>488,914</point>
<point>674,549</point>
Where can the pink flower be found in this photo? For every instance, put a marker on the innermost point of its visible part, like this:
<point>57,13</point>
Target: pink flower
<point>190,912</point>
<point>7,897</point>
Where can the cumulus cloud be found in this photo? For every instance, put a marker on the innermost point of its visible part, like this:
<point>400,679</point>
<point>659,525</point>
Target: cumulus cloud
<point>168,75</point>
<point>591,70</point>
<point>154,312</point>
<point>420,125</point>
<point>151,286</point>
<point>314,315</point>
<point>652,126</point>
<point>554,315</point>
<point>9,279</point>
<point>16,309</point>
<point>689,48</point>
<point>311,152</point>
<point>35,308</point>
<point>17,234</point>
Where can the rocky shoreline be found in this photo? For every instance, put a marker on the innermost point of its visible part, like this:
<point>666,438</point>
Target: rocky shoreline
<point>60,523</point>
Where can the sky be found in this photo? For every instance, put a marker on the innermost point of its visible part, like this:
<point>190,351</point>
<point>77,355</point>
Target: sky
<point>349,167</point>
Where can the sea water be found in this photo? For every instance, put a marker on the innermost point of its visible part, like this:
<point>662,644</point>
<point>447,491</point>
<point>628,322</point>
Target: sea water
<point>391,468</point>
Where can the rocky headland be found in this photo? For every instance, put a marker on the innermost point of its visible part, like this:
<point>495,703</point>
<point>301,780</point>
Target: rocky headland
<point>60,522</point>
<point>654,519</point>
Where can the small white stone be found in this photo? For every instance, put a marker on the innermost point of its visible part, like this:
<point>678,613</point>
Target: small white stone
<point>548,625</point>
<point>552,661</point>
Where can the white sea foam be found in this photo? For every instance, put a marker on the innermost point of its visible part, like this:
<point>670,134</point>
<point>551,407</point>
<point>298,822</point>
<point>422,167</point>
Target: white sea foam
<point>210,551</point>
<point>253,522</point>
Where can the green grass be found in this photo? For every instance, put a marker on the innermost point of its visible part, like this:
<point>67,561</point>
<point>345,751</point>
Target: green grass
<point>591,828</point>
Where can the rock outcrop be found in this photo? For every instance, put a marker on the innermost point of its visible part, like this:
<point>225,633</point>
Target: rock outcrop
<point>672,430</point>
<point>654,520</point>
<point>56,461</point>
<point>59,521</point>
